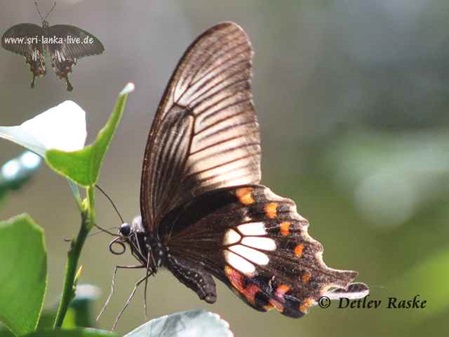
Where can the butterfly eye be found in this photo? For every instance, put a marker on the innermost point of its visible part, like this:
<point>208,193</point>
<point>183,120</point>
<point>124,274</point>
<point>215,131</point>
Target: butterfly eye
<point>125,229</point>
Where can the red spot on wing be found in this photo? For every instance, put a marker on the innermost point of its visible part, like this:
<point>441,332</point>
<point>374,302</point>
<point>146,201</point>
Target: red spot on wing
<point>237,279</point>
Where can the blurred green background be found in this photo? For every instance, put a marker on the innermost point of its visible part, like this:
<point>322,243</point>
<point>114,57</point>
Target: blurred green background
<point>352,98</point>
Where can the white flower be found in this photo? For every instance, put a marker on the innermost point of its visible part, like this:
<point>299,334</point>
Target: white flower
<point>62,127</point>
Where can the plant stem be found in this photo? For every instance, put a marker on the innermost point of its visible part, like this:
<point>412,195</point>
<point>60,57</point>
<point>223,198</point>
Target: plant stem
<point>87,221</point>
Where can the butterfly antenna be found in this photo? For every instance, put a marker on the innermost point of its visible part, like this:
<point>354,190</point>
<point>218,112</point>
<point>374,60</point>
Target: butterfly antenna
<point>51,10</point>
<point>110,200</point>
<point>102,230</point>
<point>37,7</point>
<point>48,13</point>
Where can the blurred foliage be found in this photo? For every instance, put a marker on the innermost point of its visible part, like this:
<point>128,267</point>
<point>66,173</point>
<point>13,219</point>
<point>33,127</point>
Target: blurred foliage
<point>17,171</point>
<point>391,176</point>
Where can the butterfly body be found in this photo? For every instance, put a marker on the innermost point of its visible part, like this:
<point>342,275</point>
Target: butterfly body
<point>204,213</point>
<point>65,44</point>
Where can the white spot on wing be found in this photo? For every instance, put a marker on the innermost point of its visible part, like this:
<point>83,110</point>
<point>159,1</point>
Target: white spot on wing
<point>231,237</point>
<point>260,243</point>
<point>251,254</point>
<point>253,228</point>
<point>239,263</point>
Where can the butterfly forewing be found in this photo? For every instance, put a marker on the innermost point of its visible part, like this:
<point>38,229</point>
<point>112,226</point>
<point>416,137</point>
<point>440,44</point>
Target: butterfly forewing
<point>78,42</point>
<point>205,134</point>
<point>25,39</point>
<point>21,32</point>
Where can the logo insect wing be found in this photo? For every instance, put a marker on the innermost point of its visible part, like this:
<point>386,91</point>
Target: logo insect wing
<point>30,46</point>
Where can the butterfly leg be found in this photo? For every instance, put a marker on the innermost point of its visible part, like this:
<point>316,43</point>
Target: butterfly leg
<point>194,277</point>
<point>128,301</point>
<point>111,292</point>
<point>148,274</point>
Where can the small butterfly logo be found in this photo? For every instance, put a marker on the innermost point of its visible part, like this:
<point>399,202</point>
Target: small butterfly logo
<point>65,44</point>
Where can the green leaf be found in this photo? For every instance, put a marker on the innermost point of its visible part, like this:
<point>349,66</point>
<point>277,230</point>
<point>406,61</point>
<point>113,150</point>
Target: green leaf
<point>80,332</point>
<point>195,323</point>
<point>23,273</point>
<point>5,332</point>
<point>83,166</point>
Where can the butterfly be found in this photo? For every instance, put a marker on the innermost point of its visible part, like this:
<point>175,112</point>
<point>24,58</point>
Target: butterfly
<point>64,43</point>
<point>204,213</point>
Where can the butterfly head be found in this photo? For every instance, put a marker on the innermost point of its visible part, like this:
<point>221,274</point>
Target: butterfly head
<point>127,230</point>
<point>134,236</point>
<point>131,234</point>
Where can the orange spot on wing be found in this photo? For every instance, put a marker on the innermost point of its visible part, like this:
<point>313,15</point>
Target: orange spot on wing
<point>268,307</point>
<point>277,305</point>
<point>281,290</point>
<point>305,306</point>
<point>284,228</point>
<point>245,195</point>
<point>299,249</point>
<point>306,277</point>
<point>271,210</point>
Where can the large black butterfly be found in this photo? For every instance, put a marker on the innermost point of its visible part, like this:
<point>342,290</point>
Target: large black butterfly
<point>64,43</point>
<point>203,211</point>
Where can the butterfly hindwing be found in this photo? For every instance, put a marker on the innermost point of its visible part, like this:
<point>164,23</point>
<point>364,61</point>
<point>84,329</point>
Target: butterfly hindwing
<point>256,243</point>
<point>25,39</point>
<point>66,45</point>
<point>205,134</point>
